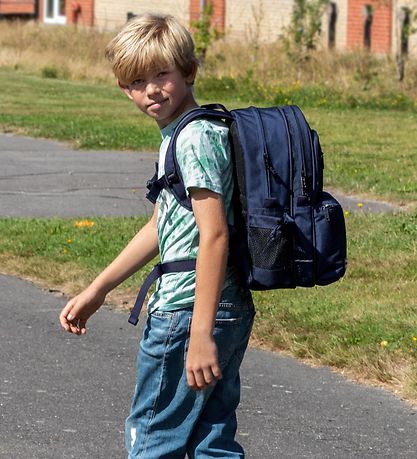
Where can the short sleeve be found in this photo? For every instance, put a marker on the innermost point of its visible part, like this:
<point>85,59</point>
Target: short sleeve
<point>203,155</point>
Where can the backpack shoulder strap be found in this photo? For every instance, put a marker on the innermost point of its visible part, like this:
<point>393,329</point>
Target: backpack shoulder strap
<point>173,178</point>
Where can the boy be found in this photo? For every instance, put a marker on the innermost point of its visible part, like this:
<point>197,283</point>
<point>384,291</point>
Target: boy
<point>199,322</point>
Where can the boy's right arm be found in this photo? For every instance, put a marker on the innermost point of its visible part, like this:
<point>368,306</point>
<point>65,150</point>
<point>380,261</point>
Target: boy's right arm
<point>140,250</point>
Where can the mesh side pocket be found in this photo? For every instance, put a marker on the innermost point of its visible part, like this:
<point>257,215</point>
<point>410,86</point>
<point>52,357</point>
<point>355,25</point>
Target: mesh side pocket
<point>270,248</point>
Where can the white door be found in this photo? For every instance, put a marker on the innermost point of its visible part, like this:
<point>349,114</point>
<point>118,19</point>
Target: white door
<point>54,12</point>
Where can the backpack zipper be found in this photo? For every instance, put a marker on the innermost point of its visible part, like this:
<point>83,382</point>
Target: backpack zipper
<point>291,207</point>
<point>304,185</point>
<point>303,163</point>
<point>266,157</point>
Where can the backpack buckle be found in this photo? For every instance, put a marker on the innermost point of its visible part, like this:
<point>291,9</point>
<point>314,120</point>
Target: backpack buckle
<point>172,178</point>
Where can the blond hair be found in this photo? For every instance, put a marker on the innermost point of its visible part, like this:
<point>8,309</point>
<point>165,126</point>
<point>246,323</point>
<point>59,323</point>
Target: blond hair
<point>148,43</point>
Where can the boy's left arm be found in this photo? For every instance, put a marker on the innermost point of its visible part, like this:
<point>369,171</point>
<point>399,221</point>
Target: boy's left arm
<point>202,363</point>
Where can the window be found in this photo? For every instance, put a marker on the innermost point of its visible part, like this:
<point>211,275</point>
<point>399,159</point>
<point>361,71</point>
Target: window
<point>332,25</point>
<point>368,15</point>
<point>54,11</point>
<point>404,29</point>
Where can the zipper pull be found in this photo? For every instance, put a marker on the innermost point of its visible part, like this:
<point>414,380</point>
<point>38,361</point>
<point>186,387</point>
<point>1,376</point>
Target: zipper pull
<point>326,213</point>
<point>269,165</point>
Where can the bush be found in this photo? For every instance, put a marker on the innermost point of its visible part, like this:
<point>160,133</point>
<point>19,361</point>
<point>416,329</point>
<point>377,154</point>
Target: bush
<point>49,72</point>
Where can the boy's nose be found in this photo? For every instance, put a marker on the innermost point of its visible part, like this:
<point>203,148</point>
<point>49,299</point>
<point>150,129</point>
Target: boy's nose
<point>152,88</point>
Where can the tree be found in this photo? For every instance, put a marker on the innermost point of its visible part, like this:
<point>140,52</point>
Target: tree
<point>302,35</point>
<point>204,32</point>
<point>406,27</point>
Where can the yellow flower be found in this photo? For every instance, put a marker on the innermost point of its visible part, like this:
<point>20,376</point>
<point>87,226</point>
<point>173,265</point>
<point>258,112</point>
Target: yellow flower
<point>414,338</point>
<point>84,224</point>
<point>347,213</point>
<point>360,204</point>
<point>69,241</point>
<point>383,343</point>
<point>65,250</point>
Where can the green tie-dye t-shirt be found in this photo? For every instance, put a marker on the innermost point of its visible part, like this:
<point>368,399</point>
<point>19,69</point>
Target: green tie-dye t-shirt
<point>203,155</point>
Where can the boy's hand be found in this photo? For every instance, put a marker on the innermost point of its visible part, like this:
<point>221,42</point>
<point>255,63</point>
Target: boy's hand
<point>79,309</point>
<point>202,365</point>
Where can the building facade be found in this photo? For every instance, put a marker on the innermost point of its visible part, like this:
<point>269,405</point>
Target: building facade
<point>376,25</point>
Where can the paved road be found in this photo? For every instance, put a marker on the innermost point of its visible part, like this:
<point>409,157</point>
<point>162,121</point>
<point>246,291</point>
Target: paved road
<point>62,396</point>
<point>66,397</point>
<point>42,178</point>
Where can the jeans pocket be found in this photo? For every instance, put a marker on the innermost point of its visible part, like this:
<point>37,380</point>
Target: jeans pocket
<point>230,327</point>
<point>228,321</point>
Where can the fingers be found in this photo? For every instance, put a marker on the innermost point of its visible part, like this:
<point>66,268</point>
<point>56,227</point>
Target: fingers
<point>201,378</point>
<point>82,326</point>
<point>64,320</point>
<point>69,320</point>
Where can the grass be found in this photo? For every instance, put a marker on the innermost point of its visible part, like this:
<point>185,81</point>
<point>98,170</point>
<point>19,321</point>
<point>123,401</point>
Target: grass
<point>366,323</point>
<point>89,115</point>
<point>77,53</point>
<point>66,254</point>
<point>73,53</point>
<point>54,85</point>
<point>367,151</point>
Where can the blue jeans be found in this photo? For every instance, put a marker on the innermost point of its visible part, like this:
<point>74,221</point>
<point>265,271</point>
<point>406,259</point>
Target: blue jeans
<point>167,418</point>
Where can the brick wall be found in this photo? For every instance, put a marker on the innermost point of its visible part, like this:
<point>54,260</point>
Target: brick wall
<point>80,12</point>
<point>219,12</point>
<point>256,20</point>
<point>248,20</point>
<point>9,7</point>
<point>381,30</point>
<point>111,15</point>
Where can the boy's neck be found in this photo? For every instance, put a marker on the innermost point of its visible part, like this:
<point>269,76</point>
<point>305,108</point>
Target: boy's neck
<point>168,129</point>
<point>188,104</point>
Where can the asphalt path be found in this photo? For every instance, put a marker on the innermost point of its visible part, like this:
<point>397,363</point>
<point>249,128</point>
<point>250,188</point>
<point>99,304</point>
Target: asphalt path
<point>43,178</point>
<point>63,396</point>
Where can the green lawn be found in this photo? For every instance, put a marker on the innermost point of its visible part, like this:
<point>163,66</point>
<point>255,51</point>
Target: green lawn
<point>366,151</point>
<point>365,324</point>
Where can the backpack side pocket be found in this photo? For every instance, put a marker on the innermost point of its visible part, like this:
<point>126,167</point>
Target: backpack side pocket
<point>330,240</point>
<point>270,244</point>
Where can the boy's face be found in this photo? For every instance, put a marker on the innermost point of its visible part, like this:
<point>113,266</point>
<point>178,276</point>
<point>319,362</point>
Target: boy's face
<point>163,95</point>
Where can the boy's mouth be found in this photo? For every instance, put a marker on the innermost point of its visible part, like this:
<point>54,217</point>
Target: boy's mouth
<point>156,104</point>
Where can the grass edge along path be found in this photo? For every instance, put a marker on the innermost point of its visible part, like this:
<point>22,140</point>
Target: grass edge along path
<point>364,325</point>
<point>367,152</point>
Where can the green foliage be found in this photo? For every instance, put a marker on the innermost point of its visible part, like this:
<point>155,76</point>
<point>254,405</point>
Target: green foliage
<point>302,35</point>
<point>204,32</point>
<point>247,89</point>
<point>49,72</point>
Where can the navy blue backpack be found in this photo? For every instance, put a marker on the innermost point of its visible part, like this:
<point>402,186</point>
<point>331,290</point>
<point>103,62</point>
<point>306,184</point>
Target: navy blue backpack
<point>288,232</point>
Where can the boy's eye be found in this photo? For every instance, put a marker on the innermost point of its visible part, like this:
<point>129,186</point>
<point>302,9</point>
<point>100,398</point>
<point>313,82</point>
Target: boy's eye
<point>137,82</point>
<point>162,73</point>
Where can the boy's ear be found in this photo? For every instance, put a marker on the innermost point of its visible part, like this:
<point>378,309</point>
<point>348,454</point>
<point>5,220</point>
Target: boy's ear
<point>125,88</point>
<point>191,77</point>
